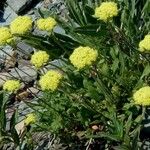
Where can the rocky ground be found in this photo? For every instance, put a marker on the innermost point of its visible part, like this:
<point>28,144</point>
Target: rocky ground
<point>15,63</point>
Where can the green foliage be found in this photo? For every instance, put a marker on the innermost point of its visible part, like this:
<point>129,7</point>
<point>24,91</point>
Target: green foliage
<point>96,101</point>
<point>100,95</point>
<point>8,132</point>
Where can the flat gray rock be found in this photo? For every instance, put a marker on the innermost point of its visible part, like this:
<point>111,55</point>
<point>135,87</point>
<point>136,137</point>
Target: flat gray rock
<point>25,73</point>
<point>19,5</point>
<point>6,50</point>
<point>8,16</point>
<point>24,50</point>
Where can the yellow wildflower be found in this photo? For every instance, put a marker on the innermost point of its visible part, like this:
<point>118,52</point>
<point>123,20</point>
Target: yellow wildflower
<point>30,119</point>
<point>21,25</point>
<point>144,45</point>
<point>11,85</point>
<point>46,24</point>
<point>50,80</point>
<point>39,59</point>
<point>83,56</point>
<point>142,96</point>
<point>106,11</point>
<point>5,36</point>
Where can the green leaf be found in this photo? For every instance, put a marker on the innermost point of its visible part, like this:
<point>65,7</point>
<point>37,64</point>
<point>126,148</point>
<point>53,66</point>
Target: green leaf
<point>128,124</point>
<point>136,139</point>
<point>91,91</point>
<point>132,12</point>
<point>146,72</point>
<point>94,29</point>
<point>4,99</point>
<point>105,135</point>
<point>115,65</point>
<point>122,63</point>
<point>138,119</point>
<point>89,12</point>
<point>1,101</point>
<point>121,147</point>
<point>13,131</point>
<point>75,12</point>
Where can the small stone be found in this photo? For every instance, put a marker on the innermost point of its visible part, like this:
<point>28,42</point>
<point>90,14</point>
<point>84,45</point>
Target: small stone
<point>20,127</point>
<point>95,127</point>
<point>47,2</point>
<point>33,90</point>
<point>22,96</point>
<point>11,60</point>
<point>19,5</point>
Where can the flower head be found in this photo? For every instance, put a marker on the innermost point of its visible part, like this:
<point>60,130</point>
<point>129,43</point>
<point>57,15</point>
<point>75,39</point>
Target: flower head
<point>142,96</point>
<point>144,45</point>
<point>5,36</point>
<point>11,85</point>
<point>21,25</point>
<point>83,56</point>
<point>50,80</point>
<point>30,119</point>
<point>106,11</point>
<point>46,24</point>
<point>39,59</point>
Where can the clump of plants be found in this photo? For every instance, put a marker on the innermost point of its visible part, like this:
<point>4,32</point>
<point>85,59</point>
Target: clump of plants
<point>98,98</point>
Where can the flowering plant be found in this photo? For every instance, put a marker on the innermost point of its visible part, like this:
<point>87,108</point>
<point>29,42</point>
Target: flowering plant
<point>99,96</point>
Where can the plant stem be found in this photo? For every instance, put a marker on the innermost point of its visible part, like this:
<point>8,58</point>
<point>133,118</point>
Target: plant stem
<point>103,87</point>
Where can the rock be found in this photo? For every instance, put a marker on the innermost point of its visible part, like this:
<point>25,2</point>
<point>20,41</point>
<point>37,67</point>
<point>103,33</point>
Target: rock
<point>47,2</point>
<point>54,64</point>
<point>19,5</point>
<point>3,78</point>
<point>11,60</point>
<point>33,90</point>
<point>22,96</point>
<point>59,30</point>
<point>25,73</point>
<point>23,110</point>
<point>6,50</point>
<point>8,16</point>
<point>24,50</point>
<point>23,62</point>
<point>20,127</point>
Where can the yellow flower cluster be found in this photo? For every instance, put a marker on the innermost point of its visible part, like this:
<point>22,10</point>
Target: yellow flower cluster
<point>21,25</point>
<point>46,24</point>
<point>5,36</point>
<point>50,80</point>
<point>11,85</point>
<point>144,45</point>
<point>142,96</point>
<point>106,11</point>
<point>83,56</point>
<point>30,119</point>
<point>39,59</point>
